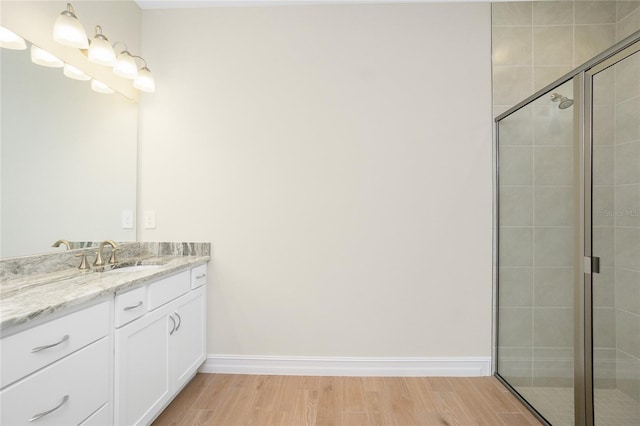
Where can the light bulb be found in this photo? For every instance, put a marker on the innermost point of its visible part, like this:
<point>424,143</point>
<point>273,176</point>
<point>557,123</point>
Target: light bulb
<point>145,81</point>
<point>11,40</point>
<point>100,87</point>
<point>44,58</point>
<point>75,73</point>
<point>100,50</point>
<point>125,66</point>
<point>69,31</point>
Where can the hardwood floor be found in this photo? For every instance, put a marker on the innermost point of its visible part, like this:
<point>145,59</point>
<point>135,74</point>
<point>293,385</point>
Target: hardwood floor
<point>223,399</point>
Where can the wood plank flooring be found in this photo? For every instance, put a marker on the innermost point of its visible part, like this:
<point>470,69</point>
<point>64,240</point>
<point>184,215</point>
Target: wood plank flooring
<point>223,399</point>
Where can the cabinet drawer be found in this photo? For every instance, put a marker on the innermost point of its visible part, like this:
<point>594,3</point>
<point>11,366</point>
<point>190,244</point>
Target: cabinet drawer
<point>130,305</point>
<point>101,417</point>
<point>32,349</point>
<point>77,385</point>
<point>167,289</point>
<point>198,276</point>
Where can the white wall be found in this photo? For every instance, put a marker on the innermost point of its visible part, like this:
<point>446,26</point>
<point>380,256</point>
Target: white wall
<point>339,160</point>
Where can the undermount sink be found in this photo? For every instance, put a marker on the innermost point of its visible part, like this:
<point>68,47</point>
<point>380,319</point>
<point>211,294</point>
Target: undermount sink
<point>134,268</point>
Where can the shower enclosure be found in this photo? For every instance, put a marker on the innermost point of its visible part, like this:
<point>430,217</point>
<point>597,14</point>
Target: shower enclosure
<point>567,246</point>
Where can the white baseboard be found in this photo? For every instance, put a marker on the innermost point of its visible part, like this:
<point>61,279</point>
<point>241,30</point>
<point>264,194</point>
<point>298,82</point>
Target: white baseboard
<point>350,366</point>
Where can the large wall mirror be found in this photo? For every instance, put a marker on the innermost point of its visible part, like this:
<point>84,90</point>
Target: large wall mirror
<point>68,159</point>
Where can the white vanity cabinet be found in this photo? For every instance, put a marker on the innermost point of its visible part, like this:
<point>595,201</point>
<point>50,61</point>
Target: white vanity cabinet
<point>189,339</point>
<point>59,372</point>
<point>114,360</point>
<point>159,351</point>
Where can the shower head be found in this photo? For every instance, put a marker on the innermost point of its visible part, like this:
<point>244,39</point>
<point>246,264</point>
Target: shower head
<point>564,101</point>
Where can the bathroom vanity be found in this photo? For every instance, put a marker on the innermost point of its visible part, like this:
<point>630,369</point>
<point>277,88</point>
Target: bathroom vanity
<point>159,351</point>
<point>101,348</point>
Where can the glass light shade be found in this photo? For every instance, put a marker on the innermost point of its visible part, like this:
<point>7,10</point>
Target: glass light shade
<point>44,58</point>
<point>75,73</point>
<point>11,40</point>
<point>125,66</point>
<point>100,87</point>
<point>101,52</point>
<point>145,81</point>
<point>68,30</point>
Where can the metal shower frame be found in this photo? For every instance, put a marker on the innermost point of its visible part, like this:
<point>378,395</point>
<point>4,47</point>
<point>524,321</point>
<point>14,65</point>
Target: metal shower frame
<point>583,262</point>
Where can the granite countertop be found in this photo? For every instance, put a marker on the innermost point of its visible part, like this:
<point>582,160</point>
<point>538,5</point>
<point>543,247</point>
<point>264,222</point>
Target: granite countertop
<point>28,297</point>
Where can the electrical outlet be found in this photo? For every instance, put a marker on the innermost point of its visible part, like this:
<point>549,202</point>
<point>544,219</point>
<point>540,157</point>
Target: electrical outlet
<point>127,219</point>
<point>149,219</point>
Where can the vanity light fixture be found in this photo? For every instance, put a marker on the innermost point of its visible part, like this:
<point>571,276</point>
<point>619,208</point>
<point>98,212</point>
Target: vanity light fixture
<point>144,81</point>
<point>75,73</point>
<point>100,87</point>
<point>125,65</point>
<point>69,31</point>
<point>44,58</point>
<point>11,40</point>
<point>100,50</point>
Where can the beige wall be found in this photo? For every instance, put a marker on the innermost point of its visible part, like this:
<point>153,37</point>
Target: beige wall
<point>339,160</point>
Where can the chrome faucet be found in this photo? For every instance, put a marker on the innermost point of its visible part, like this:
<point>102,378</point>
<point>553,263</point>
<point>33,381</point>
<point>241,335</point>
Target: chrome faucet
<point>62,242</point>
<point>99,260</point>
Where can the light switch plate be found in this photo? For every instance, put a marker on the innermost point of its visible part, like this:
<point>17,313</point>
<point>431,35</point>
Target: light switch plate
<point>149,219</point>
<point>127,219</point>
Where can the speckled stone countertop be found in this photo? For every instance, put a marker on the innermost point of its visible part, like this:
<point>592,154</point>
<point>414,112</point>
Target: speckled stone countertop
<point>25,297</point>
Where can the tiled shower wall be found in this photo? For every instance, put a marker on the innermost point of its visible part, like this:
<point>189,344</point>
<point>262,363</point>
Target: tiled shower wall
<point>626,223</point>
<point>536,245</point>
<point>616,214</point>
<point>535,43</point>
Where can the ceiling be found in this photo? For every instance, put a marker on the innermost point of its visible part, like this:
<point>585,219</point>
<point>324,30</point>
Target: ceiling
<point>186,4</point>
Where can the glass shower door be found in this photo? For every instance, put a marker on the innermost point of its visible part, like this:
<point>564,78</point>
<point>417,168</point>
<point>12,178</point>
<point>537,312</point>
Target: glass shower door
<point>568,245</point>
<point>616,241</point>
<point>536,229</point>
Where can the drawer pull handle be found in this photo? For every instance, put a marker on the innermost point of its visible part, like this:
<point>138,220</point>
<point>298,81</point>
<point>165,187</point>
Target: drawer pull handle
<point>44,413</point>
<point>200,276</point>
<point>179,321</point>
<point>42,348</point>
<point>129,308</point>
<point>174,325</point>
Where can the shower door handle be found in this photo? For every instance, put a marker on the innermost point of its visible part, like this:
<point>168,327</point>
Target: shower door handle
<point>592,265</point>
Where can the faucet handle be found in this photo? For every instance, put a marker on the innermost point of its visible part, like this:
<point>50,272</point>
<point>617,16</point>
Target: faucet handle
<point>112,258</point>
<point>83,262</point>
<point>99,260</point>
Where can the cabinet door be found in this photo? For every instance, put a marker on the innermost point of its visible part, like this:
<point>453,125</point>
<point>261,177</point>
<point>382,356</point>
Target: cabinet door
<point>189,340</point>
<point>142,379</point>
